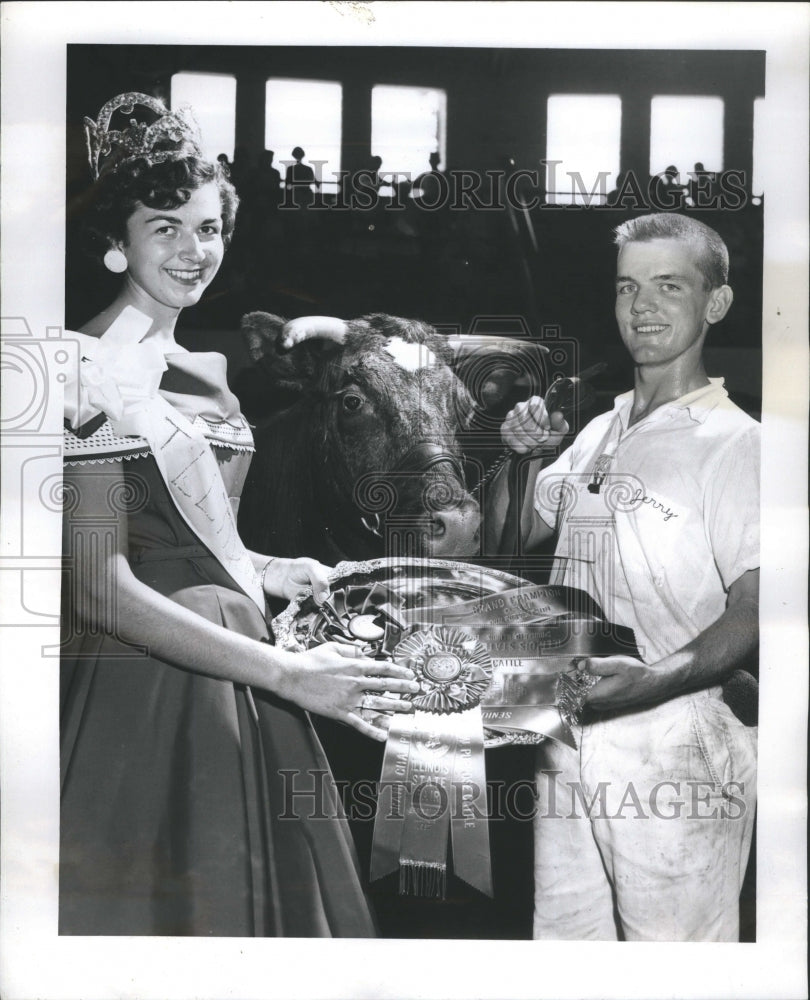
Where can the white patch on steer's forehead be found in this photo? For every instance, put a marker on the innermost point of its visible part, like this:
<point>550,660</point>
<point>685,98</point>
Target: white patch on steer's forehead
<point>411,357</point>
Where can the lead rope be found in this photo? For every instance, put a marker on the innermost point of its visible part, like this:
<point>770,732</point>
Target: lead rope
<point>492,472</point>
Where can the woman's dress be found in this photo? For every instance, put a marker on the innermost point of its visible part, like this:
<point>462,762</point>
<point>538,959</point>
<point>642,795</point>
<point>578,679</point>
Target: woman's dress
<point>185,806</point>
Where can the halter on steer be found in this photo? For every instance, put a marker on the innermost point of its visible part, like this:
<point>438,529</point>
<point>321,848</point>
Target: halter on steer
<point>424,456</point>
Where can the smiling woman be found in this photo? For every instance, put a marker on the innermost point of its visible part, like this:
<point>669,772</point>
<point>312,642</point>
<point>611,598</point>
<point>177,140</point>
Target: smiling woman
<point>173,256</point>
<point>165,226</point>
<point>179,718</point>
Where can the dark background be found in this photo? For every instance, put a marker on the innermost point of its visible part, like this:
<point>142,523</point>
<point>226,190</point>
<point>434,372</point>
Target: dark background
<point>478,265</point>
<point>550,273</point>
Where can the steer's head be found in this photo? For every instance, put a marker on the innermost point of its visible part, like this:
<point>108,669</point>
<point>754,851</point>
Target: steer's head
<point>383,410</point>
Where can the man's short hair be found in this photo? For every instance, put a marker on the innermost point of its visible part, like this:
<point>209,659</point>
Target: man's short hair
<point>712,252</point>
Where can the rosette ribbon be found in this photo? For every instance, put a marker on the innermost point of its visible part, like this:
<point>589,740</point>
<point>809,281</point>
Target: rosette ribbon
<point>535,636</point>
<point>118,379</point>
<point>432,791</point>
<point>494,670</point>
<point>531,640</point>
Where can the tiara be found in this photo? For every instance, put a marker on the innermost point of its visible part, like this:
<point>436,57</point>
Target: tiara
<point>107,149</point>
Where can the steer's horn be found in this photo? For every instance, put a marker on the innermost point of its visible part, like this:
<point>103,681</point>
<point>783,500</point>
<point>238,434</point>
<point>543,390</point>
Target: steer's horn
<point>314,328</point>
<point>269,338</point>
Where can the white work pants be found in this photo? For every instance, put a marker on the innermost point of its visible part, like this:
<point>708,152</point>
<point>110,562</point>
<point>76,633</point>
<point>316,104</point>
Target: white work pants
<point>643,833</point>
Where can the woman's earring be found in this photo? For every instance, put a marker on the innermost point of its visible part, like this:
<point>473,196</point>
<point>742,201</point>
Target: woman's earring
<point>115,261</point>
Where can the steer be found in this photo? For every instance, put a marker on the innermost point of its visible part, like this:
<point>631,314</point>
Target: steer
<point>365,460</point>
<point>360,457</point>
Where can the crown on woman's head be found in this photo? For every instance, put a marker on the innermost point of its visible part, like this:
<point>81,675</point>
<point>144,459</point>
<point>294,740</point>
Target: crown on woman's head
<point>173,135</point>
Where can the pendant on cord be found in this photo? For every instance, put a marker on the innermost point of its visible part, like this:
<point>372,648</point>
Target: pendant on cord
<point>600,471</point>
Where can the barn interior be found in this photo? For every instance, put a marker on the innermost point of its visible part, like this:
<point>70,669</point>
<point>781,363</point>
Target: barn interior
<point>500,252</point>
<point>514,247</point>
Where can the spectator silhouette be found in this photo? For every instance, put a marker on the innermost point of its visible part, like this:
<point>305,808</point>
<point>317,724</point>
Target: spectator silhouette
<point>666,189</point>
<point>373,172</point>
<point>613,196</point>
<point>259,237</point>
<point>701,187</point>
<point>223,160</point>
<point>432,184</point>
<point>300,224</point>
<point>431,191</point>
<point>299,181</point>
<point>366,184</point>
<point>266,184</point>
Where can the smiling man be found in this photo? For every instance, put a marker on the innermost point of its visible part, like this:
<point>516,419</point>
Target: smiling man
<point>643,833</point>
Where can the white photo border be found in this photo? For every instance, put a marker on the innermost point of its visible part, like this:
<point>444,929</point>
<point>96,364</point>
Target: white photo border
<point>34,960</point>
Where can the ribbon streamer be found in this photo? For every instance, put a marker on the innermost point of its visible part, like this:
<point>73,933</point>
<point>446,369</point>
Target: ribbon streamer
<point>432,794</point>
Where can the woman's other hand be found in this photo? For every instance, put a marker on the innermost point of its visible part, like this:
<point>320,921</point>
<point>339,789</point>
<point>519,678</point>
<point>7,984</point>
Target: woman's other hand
<point>336,681</point>
<point>288,577</point>
<point>529,426</point>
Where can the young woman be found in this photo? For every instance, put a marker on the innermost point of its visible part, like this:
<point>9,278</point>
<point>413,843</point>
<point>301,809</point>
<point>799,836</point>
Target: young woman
<point>195,795</point>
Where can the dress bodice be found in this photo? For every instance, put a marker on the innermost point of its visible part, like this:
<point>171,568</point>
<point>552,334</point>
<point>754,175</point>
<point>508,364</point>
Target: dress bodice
<point>196,386</point>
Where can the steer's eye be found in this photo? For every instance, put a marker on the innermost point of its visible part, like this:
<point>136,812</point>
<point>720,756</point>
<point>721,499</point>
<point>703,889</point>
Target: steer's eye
<point>352,402</point>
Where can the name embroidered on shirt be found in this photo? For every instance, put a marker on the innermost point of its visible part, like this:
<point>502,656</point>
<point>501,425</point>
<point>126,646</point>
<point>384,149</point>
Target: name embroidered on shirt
<point>639,497</point>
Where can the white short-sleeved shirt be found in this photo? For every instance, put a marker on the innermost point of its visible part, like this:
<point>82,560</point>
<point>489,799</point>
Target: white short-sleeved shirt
<point>657,520</point>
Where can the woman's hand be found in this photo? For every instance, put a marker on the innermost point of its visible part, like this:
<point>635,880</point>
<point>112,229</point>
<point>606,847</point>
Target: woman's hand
<point>288,577</point>
<point>335,681</point>
<point>529,426</point>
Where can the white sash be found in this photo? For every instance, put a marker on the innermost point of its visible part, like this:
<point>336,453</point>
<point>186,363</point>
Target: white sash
<point>119,376</point>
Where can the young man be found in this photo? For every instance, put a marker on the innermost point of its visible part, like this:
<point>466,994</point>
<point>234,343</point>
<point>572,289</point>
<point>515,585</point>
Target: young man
<point>643,833</point>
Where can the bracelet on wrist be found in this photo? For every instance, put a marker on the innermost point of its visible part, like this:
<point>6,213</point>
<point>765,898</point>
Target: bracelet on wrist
<point>263,576</point>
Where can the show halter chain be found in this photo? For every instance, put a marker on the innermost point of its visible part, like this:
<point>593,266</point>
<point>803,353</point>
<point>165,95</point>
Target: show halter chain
<point>140,141</point>
<point>561,396</point>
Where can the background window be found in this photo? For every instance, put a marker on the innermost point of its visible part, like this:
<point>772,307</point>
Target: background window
<point>305,113</point>
<point>584,132</point>
<point>407,125</point>
<point>685,131</point>
<point>213,97</point>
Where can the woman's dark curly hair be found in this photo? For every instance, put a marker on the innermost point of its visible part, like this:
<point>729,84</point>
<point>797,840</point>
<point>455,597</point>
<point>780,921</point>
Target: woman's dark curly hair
<point>166,185</point>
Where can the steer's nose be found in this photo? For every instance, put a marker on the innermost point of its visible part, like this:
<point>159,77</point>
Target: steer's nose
<point>455,531</point>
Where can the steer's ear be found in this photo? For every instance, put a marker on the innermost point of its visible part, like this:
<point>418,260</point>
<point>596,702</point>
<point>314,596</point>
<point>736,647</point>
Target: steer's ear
<point>261,332</point>
<point>288,369</point>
